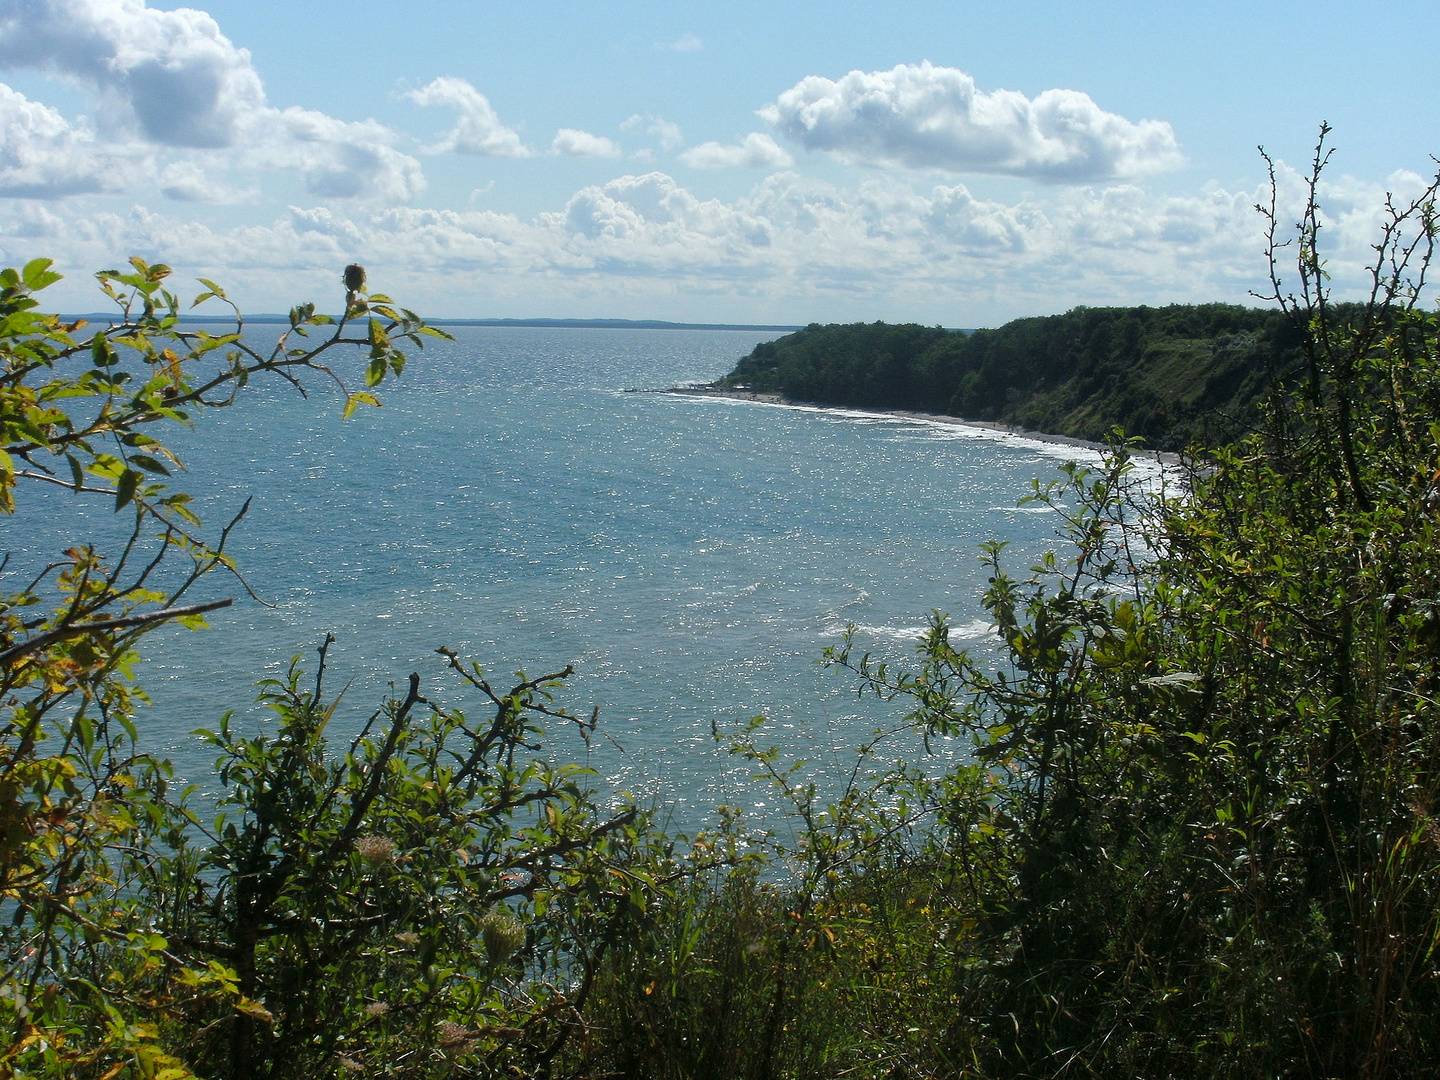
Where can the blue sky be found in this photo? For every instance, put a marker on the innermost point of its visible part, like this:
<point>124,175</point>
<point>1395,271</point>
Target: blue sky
<point>943,162</point>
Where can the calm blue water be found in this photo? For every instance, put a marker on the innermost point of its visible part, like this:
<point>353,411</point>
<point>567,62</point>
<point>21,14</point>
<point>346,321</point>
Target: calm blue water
<point>691,556</point>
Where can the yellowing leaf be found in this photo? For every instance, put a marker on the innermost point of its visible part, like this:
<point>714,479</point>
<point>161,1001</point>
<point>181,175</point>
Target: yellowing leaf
<point>361,398</point>
<point>254,1010</point>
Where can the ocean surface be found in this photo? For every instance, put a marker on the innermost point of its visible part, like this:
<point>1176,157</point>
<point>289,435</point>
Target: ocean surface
<point>515,500</point>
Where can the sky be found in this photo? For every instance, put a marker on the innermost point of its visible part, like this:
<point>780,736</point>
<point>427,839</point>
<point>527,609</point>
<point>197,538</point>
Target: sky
<point>941,162</point>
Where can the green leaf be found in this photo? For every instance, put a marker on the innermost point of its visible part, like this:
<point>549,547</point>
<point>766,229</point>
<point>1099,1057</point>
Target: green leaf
<point>106,465</point>
<point>101,352</point>
<point>179,504</point>
<point>37,274</point>
<point>149,464</point>
<point>125,488</point>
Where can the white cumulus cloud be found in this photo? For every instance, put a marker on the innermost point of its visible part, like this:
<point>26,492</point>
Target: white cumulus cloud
<point>928,117</point>
<point>169,83</point>
<point>42,155</point>
<point>667,131</point>
<point>755,151</point>
<point>172,72</point>
<point>186,181</point>
<point>685,43</point>
<point>575,143</point>
<point>343,160</point>
<point>478,129</point>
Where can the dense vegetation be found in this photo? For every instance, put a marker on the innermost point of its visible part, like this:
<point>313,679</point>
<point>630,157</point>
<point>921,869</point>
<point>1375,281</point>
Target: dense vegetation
<point>1174,376</point>
<point>1197,835</point>
<point>360,908</point>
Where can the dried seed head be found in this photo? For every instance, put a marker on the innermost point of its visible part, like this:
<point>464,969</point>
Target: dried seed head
<point>455,1036</point>
<point>375,849</point>
<point>354,277</point>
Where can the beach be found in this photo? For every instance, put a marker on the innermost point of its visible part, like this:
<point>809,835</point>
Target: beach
<point>1164,458</point>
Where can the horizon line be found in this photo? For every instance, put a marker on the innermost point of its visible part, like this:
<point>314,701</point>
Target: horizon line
<point>268,318</point>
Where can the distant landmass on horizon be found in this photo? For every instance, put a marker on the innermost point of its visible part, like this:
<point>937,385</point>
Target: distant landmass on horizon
<point>579,324</point>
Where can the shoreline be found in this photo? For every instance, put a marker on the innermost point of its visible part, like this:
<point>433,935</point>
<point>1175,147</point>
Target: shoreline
<point>1160,456</point>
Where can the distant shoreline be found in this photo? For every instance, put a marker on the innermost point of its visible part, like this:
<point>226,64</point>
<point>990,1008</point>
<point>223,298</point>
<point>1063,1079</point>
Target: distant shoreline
<point>270,318</point>
<point>1163,457</point>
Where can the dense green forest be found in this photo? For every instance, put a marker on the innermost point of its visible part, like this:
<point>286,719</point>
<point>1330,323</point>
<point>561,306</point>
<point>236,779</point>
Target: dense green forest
<point>1173,376</point>
<point>1197,835</point>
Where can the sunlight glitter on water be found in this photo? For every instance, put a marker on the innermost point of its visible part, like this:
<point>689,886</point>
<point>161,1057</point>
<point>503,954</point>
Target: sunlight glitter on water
<point>691,556</point>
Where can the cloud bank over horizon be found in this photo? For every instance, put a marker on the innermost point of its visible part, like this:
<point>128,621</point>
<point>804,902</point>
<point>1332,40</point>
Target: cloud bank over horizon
<point>850,205</point>
<point>791,250</point>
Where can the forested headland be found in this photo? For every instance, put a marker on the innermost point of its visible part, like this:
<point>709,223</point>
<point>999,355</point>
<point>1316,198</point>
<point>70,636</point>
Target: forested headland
<point>1173,376</point>
<point>1197,832</point>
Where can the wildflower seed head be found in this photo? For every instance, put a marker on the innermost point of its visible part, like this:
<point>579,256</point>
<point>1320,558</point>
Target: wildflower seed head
<point>375,850</point>
<point>503,935</point>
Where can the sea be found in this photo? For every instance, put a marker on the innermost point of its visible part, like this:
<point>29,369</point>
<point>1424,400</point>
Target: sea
<point>525,497</point>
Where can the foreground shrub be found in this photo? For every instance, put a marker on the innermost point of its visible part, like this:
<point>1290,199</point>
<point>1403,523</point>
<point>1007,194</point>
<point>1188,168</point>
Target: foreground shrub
<point>433,900</point>
<point>1200,833</point>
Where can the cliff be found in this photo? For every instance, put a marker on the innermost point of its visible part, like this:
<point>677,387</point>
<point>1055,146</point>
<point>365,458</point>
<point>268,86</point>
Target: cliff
<point>1174,376</point>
